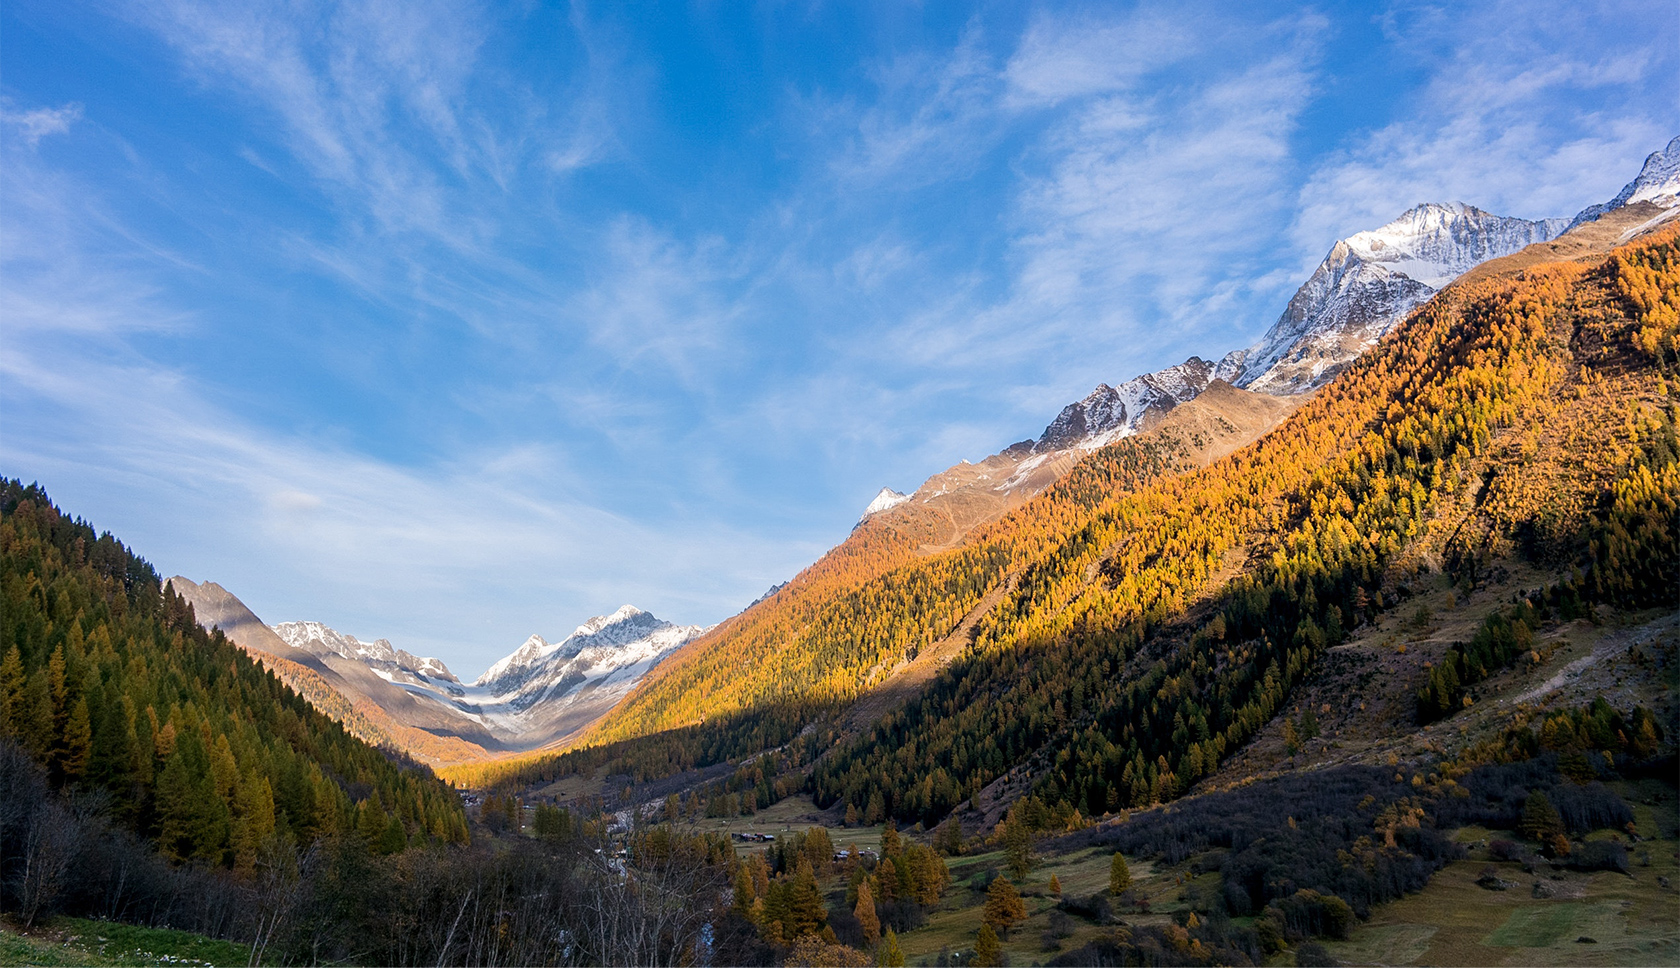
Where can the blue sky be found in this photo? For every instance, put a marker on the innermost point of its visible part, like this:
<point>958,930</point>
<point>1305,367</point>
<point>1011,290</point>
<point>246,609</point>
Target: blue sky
<point>451,322</point>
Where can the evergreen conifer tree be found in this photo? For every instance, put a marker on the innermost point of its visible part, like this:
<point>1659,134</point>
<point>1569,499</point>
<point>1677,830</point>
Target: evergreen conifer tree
<point>889,954</point>
<point>866,916</point>
<point>1119,875</point>
<point>986,950</point>
<point>1003,905</point>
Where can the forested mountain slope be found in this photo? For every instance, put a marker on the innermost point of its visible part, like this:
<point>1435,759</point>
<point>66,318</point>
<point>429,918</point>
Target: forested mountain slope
<point>107,680</point>
<point>1147,623</point>
<point>1523,415</point>
<point>869,607</point>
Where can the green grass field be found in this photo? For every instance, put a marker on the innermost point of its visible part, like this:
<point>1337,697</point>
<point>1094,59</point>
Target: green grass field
<point>76,941</point>
<point>1631,919</point>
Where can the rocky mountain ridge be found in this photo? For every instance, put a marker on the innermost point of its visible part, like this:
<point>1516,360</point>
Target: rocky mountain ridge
<point>1365,284</point>
<point>379,655</point>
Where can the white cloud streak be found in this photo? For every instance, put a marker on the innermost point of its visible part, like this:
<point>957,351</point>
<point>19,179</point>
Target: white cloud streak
<point>1499,124</point>
<point>33,125</point>
<point>458,558</point>
<point>1144,170</point>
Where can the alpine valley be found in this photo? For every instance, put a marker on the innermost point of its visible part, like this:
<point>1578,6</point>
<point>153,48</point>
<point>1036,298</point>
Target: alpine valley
<point>1360,644</point>
<point>543,694</point>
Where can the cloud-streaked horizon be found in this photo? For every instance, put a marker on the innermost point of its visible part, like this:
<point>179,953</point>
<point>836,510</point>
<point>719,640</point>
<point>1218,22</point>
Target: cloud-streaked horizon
<point>450,323</point>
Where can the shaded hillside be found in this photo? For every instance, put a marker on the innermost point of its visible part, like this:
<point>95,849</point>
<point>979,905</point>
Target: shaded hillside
<point>843,626</point>
<point>109,682</point>
<point>1524,414</point>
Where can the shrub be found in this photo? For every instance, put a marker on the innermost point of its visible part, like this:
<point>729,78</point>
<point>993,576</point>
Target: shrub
<point>1313,953</point>
<point>1094,908</point>
<point>1600,855</point>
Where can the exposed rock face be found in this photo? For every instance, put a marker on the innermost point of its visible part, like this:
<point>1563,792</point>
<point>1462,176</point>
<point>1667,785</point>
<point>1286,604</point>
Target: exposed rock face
<point>1368,283</point>
<point>1109,413</point>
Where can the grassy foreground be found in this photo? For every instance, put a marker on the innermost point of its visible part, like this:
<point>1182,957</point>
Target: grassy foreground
<point>77,941</point>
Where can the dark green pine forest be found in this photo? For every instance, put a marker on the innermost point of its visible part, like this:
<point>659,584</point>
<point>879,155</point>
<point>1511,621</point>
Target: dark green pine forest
<point>108,681</point>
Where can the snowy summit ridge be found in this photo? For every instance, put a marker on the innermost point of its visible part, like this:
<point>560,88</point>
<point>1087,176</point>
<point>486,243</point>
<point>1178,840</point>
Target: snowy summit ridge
<point>1366,283</point>
<point>380,655</point>
<point>626,627</point>
<point>540,692</point>
<point>885,500</point>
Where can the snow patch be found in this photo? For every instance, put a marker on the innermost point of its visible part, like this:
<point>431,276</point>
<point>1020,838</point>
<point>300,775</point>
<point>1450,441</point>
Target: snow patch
<point>885,500</point>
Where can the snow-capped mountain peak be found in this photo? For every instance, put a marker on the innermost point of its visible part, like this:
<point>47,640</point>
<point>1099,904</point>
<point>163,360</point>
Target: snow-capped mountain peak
<point>623,629</point>
<point>885,500</point>
<point>1435,243</point>
<point>1370,281</point>
<point>626,617</point>
<point>530,652</point>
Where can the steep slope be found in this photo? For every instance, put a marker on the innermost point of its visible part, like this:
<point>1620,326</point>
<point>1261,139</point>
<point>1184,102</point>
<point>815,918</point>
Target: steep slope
<point>1526,416</point>
<point>1135,624</point>
<point>1355,297</point>
<point>863,615</point>
<point>109,682</point>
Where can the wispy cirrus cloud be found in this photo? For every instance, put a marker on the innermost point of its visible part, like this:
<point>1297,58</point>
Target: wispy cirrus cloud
<point>1529,110</point>
<point>30,126</point>
<point>351,85</point>
<point>368,544</point>
<point>578,311</point>
<point>1084,54</point>
<point>1146,184</point>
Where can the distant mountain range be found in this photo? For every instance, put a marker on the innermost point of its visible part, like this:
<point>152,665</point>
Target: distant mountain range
<point>537,695</point>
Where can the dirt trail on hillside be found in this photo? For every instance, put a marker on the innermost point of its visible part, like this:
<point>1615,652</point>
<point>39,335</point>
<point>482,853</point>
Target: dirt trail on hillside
<point>1613,644</point>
